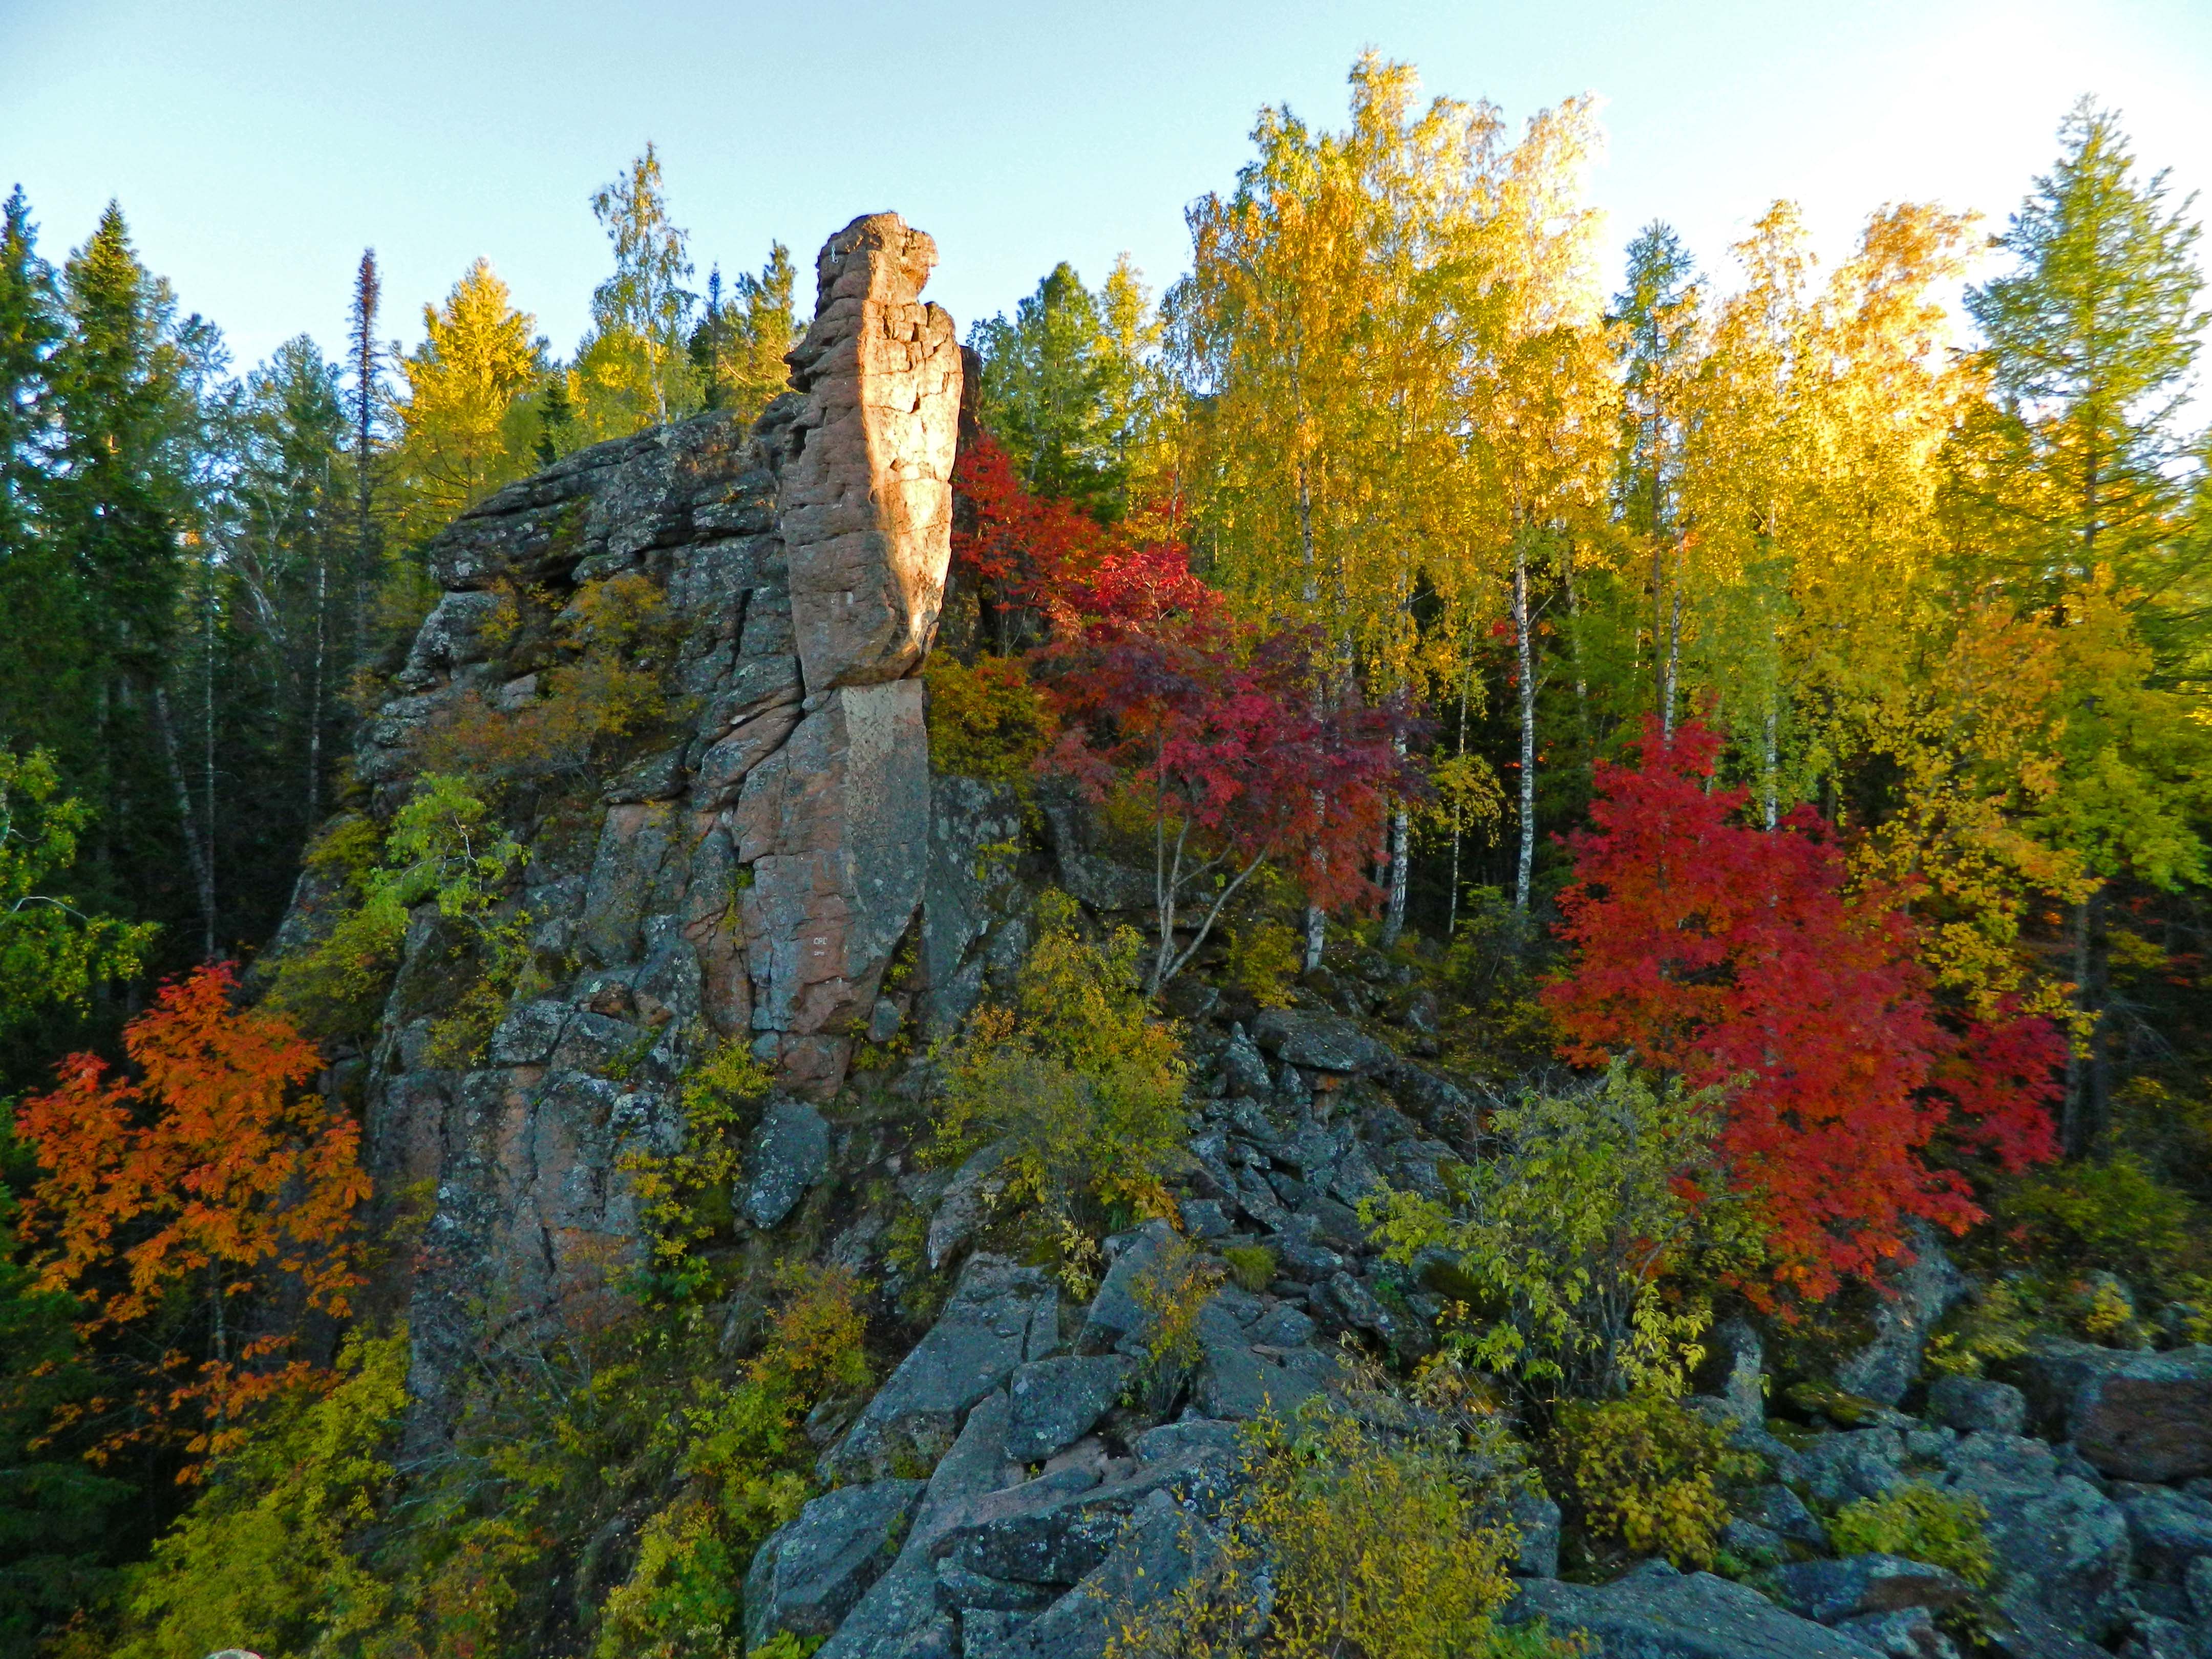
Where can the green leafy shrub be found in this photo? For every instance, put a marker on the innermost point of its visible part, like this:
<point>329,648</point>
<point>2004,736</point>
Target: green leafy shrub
<point>2117,1216</point>
<point>1648,1471</point>
<point>612,638</point>
<point>1563,1236</point>
<point>1172,1291</point>
<point>263,1559</point>
<point>1077,1080</point>
<point>1922,1522</point>
<point>988,721</point>
<point>683,1196</point>
<point>444,846</point>
<point>1264,959</point>
<point>1362,1529</point>
<point>1252,1266</point>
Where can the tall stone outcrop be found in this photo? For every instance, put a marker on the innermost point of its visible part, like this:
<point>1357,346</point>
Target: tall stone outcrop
<point>741,869</point>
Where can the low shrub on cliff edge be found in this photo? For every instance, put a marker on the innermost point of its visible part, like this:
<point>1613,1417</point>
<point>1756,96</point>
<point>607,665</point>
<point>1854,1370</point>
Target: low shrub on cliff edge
<point>1077,1079</point>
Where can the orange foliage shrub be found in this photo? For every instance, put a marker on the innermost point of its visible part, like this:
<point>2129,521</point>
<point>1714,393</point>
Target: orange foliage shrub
<point>191,1200</point>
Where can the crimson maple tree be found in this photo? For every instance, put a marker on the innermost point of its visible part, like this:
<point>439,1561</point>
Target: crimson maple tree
<point>207,1189</point>
<point>1737,956</point>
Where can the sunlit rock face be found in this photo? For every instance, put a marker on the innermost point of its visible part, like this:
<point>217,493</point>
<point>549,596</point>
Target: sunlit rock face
<point>741,868</point>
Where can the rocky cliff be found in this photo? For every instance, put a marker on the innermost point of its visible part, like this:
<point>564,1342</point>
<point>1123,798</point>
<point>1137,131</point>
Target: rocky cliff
<point>742,869</point>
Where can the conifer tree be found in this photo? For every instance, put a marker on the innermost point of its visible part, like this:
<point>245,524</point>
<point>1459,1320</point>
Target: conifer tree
<point>365,405</point>
<point>737,348</point>
<point>2090,339</point>
<point>465,425</point>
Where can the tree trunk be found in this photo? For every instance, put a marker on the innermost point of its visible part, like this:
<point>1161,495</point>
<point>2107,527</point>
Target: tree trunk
<point>203,868</point>
<point>1525,651</point>
<point>1674,661</point>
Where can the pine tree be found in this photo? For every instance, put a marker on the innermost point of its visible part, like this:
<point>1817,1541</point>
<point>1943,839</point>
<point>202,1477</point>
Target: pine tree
<point>1049,376</point>
<point>2076,496</point>
<point>365,405</point>
<point>738,349</point>
<point>2090,339</point>
<point>35,616</point>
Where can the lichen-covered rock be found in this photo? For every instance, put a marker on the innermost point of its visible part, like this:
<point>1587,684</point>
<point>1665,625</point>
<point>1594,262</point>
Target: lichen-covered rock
<point>1830,1591</point>
<point>1920,1293</point>
<point>737,863</point>
<point>1655,1612</point>
<point>1968,1403</point>
<point>1906,1633</point>
<point>999,1316</point>
<point>809,1574</point>
<point>789,1152</point>
<point>2135,1416</point>
<point>2167,1530</point>
<point>1056,1401</point>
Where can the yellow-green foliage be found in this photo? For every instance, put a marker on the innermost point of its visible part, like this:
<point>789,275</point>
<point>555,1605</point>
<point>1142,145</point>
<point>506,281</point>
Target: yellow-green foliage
<point>443,845</point>
<point>1347,1542</point>
<point>614,635</point>
<point>2116,1215</point>
<point>1252,1266</point>
<point>1172,1291</point>
<point>683,1195</point>
<point>1994,1325</point>
<point>1078,1080</point>
<point>262,1559</point>
<point>1648,1471</point>
<point>988,721</point>
<point>1922,1522</point>
<point>1563,1237</point>
<point>1264,958</point>
<point>745,1467</point>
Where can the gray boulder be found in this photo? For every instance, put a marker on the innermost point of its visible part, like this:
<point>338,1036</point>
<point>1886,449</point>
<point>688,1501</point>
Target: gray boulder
<point>1056,1400</point>
<point>1783,1513</point>
<point>1244,1067</point>
<point>2196,1585</point>
<point>1238,1382</point>
<point>966,1203</point>
<point>1737,1370</point>
<point>1907,1633</point>
<point>1116,1321</point>
<point>1968,1403</point>
<point>1324,1042</point>
<point>1056,1530</point>
<point>1157,1554</point>
<point>1831,1591</point>
<point>2061,1548</point>
<point>1535,1519</point>
<point>2136,1416</point>
<point>999,1316</point>
<point>1924,1291</point>
<point>2167,1530</point>
<point>901,1614</point>
<point>809,1574</point>
<point>1655,1612</point>
<point>1862,1463</point>
<point>790,1153</point>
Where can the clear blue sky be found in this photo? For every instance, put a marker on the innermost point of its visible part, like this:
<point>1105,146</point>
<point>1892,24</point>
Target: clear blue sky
<point>257,145</point>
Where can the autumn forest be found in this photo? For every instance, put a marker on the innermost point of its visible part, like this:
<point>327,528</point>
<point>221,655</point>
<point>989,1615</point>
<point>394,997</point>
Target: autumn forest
<point>1727,752</point>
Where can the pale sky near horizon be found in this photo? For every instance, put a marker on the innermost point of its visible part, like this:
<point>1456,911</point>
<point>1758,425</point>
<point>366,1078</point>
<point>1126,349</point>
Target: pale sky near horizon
<point>256,146</point>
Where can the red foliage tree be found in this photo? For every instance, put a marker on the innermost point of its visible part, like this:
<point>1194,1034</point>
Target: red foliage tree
<point>204,1194</point>
<point>1027,552</point>
<point>1733,956</point>
<point>1214,734</point>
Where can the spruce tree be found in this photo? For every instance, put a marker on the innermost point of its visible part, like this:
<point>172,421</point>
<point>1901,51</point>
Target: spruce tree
<point>2090,338</point>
